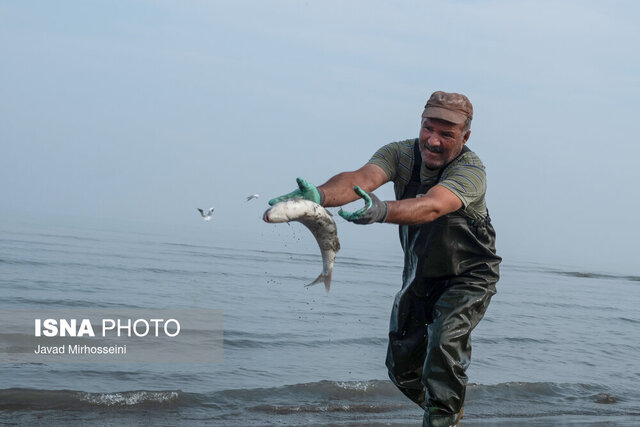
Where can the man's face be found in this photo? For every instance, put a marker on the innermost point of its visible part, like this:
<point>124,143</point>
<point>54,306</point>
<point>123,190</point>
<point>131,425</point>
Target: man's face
<point>440,142</point>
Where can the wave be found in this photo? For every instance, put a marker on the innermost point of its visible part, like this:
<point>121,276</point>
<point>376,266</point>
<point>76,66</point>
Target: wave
<point>28,263</point>
<point>34,399</point>
<point>112,268</point>
<point>628,320</point>
<point>541,268</point>
<point>64,236</point>
<point>23,303</point>
<point>236,339</point>
<point>373,396</point>
<point>516,340</point>
<point>589,275</point>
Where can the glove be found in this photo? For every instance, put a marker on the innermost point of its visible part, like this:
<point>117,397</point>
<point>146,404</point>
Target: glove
<point>374,210</point>
<point>304,191</point>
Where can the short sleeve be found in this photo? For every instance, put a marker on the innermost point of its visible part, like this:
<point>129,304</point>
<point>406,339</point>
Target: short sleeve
<point>466,178</point>
<point>387,158</point>
<point>396,159</point>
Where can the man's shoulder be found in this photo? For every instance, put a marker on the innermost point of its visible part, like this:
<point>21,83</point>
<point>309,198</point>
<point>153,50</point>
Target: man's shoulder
<point>466,178</point>
<point>468,158</point>
<point>396,150</point>
<point>405,144</point>
<point>400,145</point>
<point>401,149</point>
<point>468,165</point>
<point>396,159</point>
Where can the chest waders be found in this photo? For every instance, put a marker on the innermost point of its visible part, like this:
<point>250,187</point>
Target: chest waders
<point>449,277</point>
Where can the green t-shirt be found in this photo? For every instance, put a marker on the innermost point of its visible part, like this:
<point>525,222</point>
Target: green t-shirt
<point>464,176</point>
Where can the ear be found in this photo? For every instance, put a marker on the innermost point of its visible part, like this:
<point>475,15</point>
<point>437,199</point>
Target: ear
<point>466,136</point>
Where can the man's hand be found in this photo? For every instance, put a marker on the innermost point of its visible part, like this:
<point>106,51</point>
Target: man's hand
<point>374,210</point>
<point>305,191</point>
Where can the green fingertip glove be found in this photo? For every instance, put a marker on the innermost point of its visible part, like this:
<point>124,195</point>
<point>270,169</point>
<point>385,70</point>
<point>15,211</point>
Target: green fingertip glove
<point>374,209</point>
<point>305,191</point>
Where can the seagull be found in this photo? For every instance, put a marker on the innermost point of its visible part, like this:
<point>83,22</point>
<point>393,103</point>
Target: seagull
<point>206,215</point>
<point>253,196</point>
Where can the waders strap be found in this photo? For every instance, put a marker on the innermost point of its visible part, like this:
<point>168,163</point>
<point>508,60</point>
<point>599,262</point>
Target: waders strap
<point>414,181</point>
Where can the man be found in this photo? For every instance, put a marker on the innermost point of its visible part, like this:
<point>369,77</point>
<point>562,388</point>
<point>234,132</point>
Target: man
<point>450,262</point>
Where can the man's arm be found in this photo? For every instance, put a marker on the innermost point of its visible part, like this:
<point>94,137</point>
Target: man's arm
<point>338,190</point>
<point>437,202</point>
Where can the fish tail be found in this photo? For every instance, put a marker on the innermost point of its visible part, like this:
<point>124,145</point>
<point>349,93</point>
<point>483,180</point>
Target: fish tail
<point>325,278</point>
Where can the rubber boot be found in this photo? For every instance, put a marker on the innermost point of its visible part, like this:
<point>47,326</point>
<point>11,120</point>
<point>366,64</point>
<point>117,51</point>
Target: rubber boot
<point>437,420</point>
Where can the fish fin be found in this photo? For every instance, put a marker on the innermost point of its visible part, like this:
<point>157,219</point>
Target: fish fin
<point>325,278</point>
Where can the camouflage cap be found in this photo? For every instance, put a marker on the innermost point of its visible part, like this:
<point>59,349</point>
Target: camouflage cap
<point>452,107</point>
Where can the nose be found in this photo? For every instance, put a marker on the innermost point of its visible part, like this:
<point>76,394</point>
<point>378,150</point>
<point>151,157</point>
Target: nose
<point>433,140</point>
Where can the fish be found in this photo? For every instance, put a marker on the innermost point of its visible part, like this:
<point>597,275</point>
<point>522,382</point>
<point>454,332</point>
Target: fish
<point>321,224</point>
<point>206,215</point>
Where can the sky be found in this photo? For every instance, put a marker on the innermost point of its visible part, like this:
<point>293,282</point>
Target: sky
<point>142,111</point>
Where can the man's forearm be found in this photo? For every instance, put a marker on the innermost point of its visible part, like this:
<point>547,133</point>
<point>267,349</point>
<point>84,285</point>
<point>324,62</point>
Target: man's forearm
<point>338,190</point>
<point>411,211</point>
<point>437,202</point>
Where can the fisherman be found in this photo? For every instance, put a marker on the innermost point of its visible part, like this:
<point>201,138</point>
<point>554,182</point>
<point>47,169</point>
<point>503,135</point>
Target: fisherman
<point>450,262</point>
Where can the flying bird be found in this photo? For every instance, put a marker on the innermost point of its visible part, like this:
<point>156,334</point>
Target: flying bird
<point>253,196</point>
<point>206,215</point>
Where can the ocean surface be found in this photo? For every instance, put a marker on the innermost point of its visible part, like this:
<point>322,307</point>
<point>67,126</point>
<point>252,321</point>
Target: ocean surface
<point>558,346</point>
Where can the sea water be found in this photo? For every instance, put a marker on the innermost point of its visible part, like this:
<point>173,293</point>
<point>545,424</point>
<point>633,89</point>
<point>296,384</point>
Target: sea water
<point>558,346</point>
